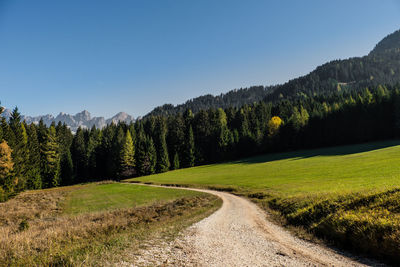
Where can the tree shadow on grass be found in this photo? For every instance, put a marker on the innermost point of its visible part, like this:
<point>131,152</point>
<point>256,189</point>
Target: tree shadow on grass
<point>327,151</point>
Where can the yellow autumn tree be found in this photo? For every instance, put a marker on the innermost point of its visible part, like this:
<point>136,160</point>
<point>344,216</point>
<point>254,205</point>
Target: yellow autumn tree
<point>7,182</point>
<point>273,125</point>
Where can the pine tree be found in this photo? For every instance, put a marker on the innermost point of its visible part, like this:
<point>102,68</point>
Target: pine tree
<point>161,146</point>
<point>93,146</point>
<point>175,137</point>
<point>79,156</point>
<point>152,155</point>
<point>8,134</point>
<point>189,150</point>
<point>34,178</point>
<point>244,130</point>
<point>188,117</point>
<point>202,129</point>
<point>64,139</point>
<point>42,131</point>
<point>222,135</point>
<point>15,119</point>
<point>104,157</point>
<point>175,164</point>
<point>66,168</point>
<point>163,158</point>
<point>20,151</point>
<point>50,151</point>
<point>146,155</point>
<point>127,156</point>
<point>140,151</point>
<point>118,143</point>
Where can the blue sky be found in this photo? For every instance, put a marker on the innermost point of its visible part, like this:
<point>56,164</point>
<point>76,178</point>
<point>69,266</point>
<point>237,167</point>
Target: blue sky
<point>126,55</point>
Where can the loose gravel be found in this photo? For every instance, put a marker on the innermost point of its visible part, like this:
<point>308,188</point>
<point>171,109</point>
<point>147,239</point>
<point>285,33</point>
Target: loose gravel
<point>239,234</point>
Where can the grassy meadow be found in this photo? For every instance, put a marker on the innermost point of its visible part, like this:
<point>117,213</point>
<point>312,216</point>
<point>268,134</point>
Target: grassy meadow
<point>93,224</point>
<point>349,195</point>
<point>103,197</point>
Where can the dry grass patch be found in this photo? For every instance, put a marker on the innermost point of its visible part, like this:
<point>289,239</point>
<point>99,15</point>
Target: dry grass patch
<point>34,232</point>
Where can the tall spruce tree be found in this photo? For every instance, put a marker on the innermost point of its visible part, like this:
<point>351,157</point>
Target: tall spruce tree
<point>64,139</point>
<point>202,129</point>
<point>66,168</point>
<point>79,156</point>
<point>93,146</point>
<point>189,149</point>
<point>118,143</point>
<point>51,167</point>
<point>20,150</point>
<point>146,155</point>
<point>127,156</point>
<point>175,164</point>
<point>34,178</point>
<point>152,155</point>
<point>161,146</point>
<point>175,137</point>
<point>105,162</point>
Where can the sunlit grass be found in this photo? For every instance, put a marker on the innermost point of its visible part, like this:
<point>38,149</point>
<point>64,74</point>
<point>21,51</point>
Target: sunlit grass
<point>348,194</point>
<point>331,170</point>
<point>105,197</point>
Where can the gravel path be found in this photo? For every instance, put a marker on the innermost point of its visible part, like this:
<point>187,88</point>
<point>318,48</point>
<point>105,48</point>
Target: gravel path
<point>239,234</point>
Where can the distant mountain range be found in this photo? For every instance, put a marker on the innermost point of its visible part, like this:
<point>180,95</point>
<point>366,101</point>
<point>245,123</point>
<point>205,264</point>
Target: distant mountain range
<point>380,67</point>
<point>82,119</point>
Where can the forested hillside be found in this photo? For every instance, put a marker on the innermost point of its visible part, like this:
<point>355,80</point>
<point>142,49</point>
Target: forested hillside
<point>381,66</point>
<point>36,156</point>
<point>234,98</point>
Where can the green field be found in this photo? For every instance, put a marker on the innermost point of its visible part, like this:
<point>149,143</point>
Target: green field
<point>335,170</point>
<point>349,194</point>
<point>106,197</point>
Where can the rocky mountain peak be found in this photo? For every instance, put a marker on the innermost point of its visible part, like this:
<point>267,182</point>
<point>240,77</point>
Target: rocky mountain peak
<point>82,119</point>
<point>83,116</point>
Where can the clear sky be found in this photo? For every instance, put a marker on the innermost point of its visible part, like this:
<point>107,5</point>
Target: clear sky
<point>126,55</point>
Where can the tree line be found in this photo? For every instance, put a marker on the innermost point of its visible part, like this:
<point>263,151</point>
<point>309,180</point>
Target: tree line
<point>39,156</point>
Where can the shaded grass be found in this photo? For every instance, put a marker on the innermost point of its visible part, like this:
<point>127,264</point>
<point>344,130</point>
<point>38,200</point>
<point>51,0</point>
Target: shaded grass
<point>53,236</point>
<point>349,194</point>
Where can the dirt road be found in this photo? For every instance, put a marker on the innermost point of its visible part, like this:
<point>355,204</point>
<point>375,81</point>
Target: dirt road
<point>239,234</point>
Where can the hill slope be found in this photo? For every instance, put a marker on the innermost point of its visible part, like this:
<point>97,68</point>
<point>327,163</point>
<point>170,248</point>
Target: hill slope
<point>234,98</point>
<point>349,195</point>
<point>380,66</point>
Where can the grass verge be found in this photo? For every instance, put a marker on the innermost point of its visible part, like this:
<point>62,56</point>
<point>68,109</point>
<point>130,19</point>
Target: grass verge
<point>47,227</point>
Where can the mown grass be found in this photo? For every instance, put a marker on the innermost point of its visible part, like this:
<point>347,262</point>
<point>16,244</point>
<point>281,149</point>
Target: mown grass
<point>49,227</point>
<point>97,198</point>
<point>347,194</point>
